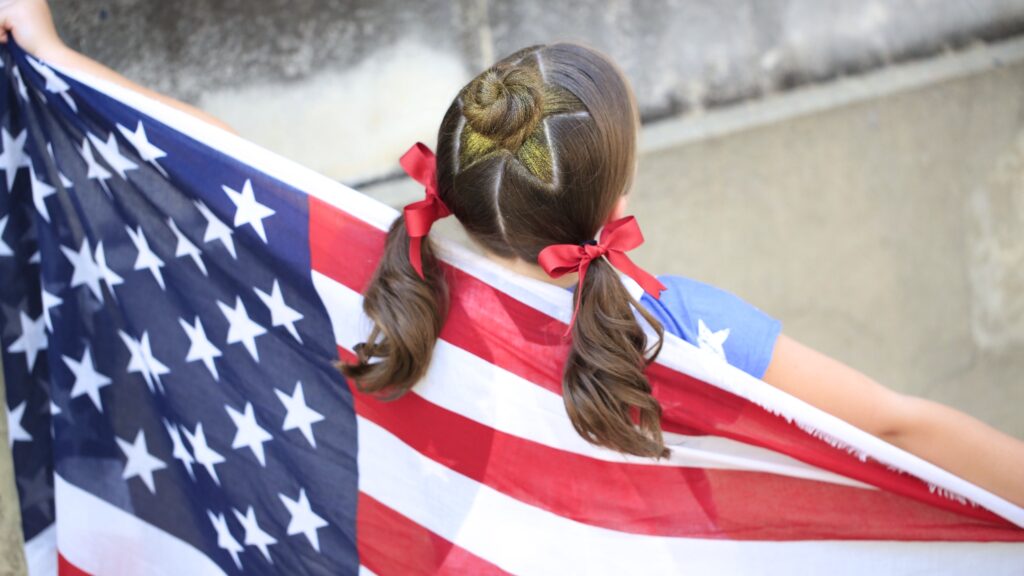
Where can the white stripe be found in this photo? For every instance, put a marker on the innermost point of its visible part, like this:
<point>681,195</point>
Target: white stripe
<point>527,540</point>
<point>556,302</point>
<point>483,392</point>
<point>41,553</point>
<point>102,539</point>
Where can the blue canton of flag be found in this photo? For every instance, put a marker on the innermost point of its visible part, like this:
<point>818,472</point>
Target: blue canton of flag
<point>165,354</point>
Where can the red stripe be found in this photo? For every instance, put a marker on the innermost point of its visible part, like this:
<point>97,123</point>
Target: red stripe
<point>703,503</point>
<point>65,568</point>
<point>528,343</point>
<point>390,543</point>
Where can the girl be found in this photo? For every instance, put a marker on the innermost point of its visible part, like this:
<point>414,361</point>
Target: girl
<point>535,156</point>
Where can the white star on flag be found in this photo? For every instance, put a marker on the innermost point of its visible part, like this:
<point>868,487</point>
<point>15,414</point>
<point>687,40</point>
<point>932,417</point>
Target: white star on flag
<point>204,455</point>
<point>87,379</point>
<point>179,451</point>
<point>304,520</point>
<point>146,150</point>
<point>49,301</point>
<point>225,539</point>
<point>254,535</point>
<point>280,313</point>
<point>185,247</point>
<point>143,361</point>
<point>248,210</point>
<point>216,229</point>
<point>54,83</point>
<point>13,156</point>
<point>299,415</point>
<point>5,249</point>
<point>85,269</point>
<point>200,347</point>
<point>711,341</point>
<point>32,340</point>
<point>112,154</point>
<point>146,259</point>
<point>106,273</point>
<point>249,434</point>
<point>40,191</point>
<point>241,328</point>
<point>64,181</point>
<point>22,90</point>
<point>95,170</point>
<point>15,431</point>
<point>140,463</point>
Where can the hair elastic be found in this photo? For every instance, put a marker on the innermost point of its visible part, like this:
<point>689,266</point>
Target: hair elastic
<point>419,163</point>
<point>617,238</point>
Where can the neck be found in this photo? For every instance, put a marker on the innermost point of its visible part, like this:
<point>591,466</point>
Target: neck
<point>533,270</point>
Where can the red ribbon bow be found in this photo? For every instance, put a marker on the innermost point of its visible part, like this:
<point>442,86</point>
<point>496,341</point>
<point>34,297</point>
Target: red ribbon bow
<point>419,163</point>
<point>617,238</point>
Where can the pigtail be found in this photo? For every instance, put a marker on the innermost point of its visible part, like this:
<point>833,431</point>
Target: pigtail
<point>606,393</point>
<point>408,313</point>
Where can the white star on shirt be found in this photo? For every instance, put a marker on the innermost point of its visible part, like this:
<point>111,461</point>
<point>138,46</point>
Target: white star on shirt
<point>13,156</point>
<point>95,170</point>
<point>112,154</point>
<point>299,415</point>
<point>280,313</point>
<point>254,535</point>
<point>248,210</point>
<point>179,451</point>
<point>85,269</point>
<point>185,247</point>
<point>711,341</point>
<point>249,434</point>
<point>139,461</point>
<point>32,340</point>
<point>225,539</point>
<point>304,520</point>
<point>40,191</point>
<point>49,301</point>
<point>200,347</point>
<point>5,249</point>
<point>204,455</point>
<point>241,328</point>
<point>147,259</point>
<point>216,229</point>
<point>87,379</point>
<point>15,431</point>
<point>143,361</point>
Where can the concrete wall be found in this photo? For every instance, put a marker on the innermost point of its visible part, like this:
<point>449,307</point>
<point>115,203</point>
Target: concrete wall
<point>312,79</point>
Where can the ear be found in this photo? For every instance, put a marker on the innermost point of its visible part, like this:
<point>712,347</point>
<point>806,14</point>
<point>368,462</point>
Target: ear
<point>620,207</point>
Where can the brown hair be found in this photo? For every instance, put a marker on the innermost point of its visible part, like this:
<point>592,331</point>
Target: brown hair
<point>534,151</point>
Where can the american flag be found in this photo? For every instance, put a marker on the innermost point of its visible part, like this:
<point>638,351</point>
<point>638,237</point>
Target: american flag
<point>174,298</point>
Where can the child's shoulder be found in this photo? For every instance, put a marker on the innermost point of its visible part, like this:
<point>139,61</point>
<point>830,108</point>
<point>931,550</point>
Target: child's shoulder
<point>717,320</point>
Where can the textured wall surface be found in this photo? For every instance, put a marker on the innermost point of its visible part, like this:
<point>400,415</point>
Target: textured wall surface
<point>312,79</point>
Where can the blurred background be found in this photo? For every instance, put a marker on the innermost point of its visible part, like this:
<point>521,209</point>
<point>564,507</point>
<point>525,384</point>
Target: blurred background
<point>854,168</point>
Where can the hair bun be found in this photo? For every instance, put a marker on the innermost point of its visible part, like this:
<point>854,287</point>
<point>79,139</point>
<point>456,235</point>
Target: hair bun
<point>505,105</point>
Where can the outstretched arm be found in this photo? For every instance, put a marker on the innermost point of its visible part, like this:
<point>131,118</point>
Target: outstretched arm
<point>31,24</point>
<point>937,433</point>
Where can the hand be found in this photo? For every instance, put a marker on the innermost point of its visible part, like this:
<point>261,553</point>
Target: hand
<point>31,24</point>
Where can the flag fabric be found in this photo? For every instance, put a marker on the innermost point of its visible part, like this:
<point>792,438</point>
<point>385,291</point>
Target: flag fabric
<point>174,298</point>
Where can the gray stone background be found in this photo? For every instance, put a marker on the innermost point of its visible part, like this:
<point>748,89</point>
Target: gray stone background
<point>852,167</point>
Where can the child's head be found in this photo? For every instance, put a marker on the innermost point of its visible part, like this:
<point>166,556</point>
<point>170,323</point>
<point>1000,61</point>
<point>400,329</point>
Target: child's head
<point>537,150</point>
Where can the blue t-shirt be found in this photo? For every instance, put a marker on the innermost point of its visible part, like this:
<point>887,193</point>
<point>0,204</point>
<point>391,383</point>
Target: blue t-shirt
<point>717,320</point>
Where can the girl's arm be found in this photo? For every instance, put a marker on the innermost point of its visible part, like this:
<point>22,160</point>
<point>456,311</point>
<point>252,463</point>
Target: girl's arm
<point>31,24</point>
<point>937,433</point>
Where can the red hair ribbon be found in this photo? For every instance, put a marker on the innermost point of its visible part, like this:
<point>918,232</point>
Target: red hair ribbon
<point>419,163</point>
<point>617,237</point>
